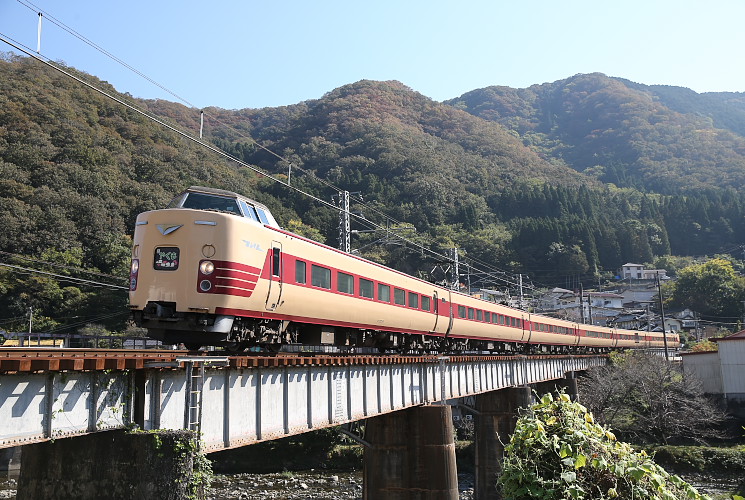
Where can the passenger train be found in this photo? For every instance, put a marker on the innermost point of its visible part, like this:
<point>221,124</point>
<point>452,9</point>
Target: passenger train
<point>215,269</point>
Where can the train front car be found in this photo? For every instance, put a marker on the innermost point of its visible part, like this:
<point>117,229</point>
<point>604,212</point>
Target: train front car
<point>185,270</point>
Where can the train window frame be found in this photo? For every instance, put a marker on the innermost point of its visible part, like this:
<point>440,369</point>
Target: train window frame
<point>471,314</point>
<point>462,312</point>
<point>384,293</point>
<point>425,303</point>
<point>320,277</point>
<point>248,211</point>
<point>487,316</point>
<point>367,288</point>
<point>201,201</point>
<point>399,296</point>
<point>414,300</point>
<point>276,262</point>
<point>301,272</point>
<point>479,315</point>
<point>344,283</point>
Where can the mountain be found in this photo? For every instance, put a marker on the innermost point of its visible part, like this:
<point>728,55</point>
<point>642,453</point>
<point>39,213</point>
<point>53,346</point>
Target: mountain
<point>661,139</point>
<point>570,178</point>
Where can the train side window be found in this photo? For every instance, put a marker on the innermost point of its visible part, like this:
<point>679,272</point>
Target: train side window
<point>487,316</point>
<point>518,322</point>
<point>479,315</point>
<point>262,216</point>
<point>425,302</point>
<point>494,318</point>
<point>345,282</point>
<point>320,276</point>
<point>399,296</point>
<point>248,211</point>
<point>384,293</point>
<point>501,319</point>
<point>470,313</point>
<point>461,311</point>
<point>276,261</point>
<point>413,300</point>
<point>301,270</point>
<point>367,288</point>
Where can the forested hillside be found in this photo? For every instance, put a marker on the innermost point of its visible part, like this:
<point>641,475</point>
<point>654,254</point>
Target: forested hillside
<point>571,178</point>
<point>654,138</point>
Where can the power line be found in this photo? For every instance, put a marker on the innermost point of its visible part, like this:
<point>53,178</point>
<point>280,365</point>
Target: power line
<point>62,266</point>
<point>497,274</point>
<point>61,277</point>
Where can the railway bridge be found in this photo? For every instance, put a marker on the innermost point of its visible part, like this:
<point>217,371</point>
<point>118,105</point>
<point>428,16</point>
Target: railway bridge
<point>232,401</point>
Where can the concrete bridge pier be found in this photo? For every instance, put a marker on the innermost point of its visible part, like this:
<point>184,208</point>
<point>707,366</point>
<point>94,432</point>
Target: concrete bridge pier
<point>412,455</point>
<point>113,464</point>
<point>568,384</point>
<point>497,413</point>
<point>10,462</point>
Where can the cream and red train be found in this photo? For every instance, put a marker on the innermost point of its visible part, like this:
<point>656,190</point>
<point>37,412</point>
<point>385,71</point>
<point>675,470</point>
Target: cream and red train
<point>215,269</point>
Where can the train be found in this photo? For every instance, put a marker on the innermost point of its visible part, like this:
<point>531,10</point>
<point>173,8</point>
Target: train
<point>215,269</point>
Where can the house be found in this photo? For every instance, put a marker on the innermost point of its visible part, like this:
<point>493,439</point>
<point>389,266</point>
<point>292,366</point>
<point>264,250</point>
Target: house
<point>633,271</point>
<point>637,272</point>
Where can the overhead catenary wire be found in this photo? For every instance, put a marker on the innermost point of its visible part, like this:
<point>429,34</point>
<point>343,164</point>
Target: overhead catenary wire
<point>312,174</point>
<point>62,266</point>
<point>61,277</point>
<point>497,274</point>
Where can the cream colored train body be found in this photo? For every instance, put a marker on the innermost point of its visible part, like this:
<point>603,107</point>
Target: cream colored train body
<point>216,269</point>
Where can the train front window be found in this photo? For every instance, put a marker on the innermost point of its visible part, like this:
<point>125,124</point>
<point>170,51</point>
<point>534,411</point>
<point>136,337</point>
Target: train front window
<point>201,201</point>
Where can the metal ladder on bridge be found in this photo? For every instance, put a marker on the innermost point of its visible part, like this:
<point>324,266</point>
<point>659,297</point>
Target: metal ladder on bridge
<point>194,386</point>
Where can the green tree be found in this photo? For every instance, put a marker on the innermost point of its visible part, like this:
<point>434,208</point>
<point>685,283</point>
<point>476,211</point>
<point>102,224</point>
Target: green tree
<point>712,288</point>
<point>558,452</point>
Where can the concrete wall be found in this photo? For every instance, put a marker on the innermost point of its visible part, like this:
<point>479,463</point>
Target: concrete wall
<point>113,464</point>
<point>705,367</point>
<point>732,358</point>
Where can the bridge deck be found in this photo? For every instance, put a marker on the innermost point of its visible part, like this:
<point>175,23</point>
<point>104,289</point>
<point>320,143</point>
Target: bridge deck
<point>244,399</point>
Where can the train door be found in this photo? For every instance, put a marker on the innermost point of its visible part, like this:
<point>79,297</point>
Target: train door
<point>436,310</point>
<point>442,307</point>
<point>530,329</point>
<point>274,294</point>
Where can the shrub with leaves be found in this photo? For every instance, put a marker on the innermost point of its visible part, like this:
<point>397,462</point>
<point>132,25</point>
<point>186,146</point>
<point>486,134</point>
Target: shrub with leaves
<point>558,452</point>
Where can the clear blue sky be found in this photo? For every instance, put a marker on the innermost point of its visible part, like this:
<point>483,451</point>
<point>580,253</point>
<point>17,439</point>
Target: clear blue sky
<point>251,54</point>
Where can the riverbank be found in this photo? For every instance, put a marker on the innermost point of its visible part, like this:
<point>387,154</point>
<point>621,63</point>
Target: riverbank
<point>308,485</point>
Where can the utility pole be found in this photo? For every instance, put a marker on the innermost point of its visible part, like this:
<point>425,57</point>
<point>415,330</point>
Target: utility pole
<point>582,302</point>
<point>662,315</point>
<point>30,318</point>
<point>456,270</point>
<point>589,306</point>
<point>345,243</point>
<point>520,278</point>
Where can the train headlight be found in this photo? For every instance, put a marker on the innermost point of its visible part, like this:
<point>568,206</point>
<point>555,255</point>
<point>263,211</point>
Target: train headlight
<point>135,266</point>
<point>206,267</point>
<point>205,285</point>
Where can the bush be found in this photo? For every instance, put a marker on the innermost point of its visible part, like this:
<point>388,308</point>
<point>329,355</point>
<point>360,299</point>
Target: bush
<point>558,452</point>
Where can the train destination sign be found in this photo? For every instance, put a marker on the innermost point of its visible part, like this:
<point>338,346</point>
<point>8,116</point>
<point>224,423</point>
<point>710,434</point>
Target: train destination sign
<point>166,259</point>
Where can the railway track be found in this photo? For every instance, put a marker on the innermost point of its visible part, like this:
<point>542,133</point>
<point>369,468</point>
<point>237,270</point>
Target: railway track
<point>16,360</point>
